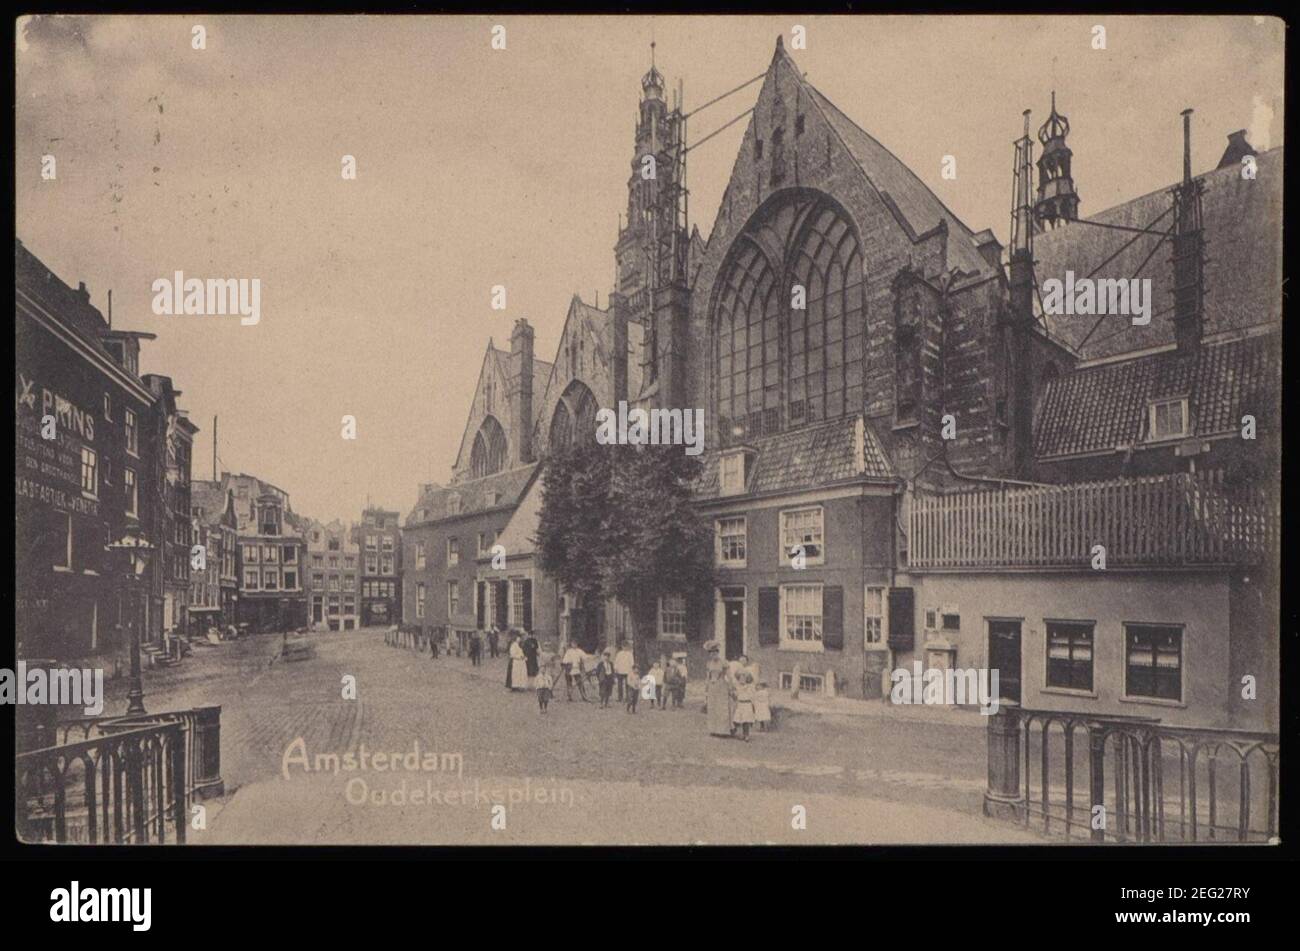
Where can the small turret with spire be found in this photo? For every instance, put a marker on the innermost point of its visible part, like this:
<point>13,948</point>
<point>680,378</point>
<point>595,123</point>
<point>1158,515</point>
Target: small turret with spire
<point>1057,202</point>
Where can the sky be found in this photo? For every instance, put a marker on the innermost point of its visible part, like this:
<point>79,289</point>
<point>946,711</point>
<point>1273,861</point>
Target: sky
<point>478,167</point>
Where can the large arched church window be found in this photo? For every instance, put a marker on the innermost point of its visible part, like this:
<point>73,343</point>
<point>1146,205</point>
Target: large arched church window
<point>488,454</point>
<point>777,365</point>
<point>574,419</point>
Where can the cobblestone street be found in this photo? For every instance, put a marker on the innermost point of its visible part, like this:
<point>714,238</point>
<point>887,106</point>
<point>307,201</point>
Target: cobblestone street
<point>603,776</point>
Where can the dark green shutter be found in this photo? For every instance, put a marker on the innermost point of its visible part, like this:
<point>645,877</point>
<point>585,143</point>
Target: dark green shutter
<point>833,618</point>
<point>528,604</point>
<point>902,618</point>
<point>501,604</point>
<point>769,615</point>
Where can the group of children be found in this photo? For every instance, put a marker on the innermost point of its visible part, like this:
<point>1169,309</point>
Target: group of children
<point>665,680</point>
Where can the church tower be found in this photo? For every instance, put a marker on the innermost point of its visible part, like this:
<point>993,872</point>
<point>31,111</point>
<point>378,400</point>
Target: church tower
<point>1057,200</point>
<point>650,255</point>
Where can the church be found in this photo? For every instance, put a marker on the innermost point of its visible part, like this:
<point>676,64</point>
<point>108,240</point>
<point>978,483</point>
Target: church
<point>906,458</point>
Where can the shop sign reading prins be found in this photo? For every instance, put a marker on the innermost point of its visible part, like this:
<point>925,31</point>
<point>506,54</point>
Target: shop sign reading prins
<point>68,417</point>
<point>49,471</point>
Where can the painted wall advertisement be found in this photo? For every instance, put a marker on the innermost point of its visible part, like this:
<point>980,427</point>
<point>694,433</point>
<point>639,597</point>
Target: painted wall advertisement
<point>48,471</point>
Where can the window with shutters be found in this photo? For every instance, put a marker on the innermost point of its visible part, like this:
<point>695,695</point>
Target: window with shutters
<point>874,624</point>
<point>517,602</point>
<point>453,598</point>
<point>801,617</point>
<point>419,599</point>
<point>453,552</point>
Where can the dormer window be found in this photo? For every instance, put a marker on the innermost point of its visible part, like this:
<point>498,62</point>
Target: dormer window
<point>453,504</point>
<point>1167,419</point>
<point>732,473</point>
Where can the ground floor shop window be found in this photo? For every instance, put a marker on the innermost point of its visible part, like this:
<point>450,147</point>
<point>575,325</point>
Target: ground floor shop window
<point>1153,661</point>
<point>1069,654</point>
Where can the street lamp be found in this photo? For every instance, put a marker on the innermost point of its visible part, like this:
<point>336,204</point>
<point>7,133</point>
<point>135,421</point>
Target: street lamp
<point>135,550</point>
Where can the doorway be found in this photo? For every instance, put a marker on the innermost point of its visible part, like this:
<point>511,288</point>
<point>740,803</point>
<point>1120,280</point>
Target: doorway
<point>733,622</point>
<point>1004,657</point>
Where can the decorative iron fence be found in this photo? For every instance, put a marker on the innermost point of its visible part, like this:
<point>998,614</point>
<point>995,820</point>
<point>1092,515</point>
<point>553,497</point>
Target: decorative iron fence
<point>1131,779</point>
<point>121,780</point>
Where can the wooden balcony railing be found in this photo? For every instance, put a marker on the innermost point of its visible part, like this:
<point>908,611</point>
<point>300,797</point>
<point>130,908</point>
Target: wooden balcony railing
<point>1165,520</point>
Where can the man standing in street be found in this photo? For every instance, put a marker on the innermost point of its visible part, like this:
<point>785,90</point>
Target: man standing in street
<point>572,663</point>
<point>493,639</point>
<point>623,664</point>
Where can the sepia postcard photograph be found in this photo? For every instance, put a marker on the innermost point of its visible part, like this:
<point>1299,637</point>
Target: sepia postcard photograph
<point>627,430</point>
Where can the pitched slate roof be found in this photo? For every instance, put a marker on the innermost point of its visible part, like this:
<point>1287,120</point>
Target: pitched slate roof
<point>1100,407</point>
<point>829,452</point>
<point>918,208</point>
<point>1243,260</point>
<point>499,490</point>
<point>210,498</point>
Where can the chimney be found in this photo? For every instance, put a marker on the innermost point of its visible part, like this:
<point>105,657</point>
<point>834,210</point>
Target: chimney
<point>1238,148</point>
<point>521,393</point>
<point>1020,310</point>
<point>1188,255</point>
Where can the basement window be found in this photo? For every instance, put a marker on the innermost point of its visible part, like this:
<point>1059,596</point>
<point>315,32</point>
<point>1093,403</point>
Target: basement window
<point>810,683</point>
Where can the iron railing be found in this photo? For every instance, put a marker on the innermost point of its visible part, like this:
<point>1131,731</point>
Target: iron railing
<point>121,780</point>
<point>1131,779</point>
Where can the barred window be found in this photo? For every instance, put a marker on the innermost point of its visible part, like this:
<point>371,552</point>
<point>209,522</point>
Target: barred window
<point>778,366</point>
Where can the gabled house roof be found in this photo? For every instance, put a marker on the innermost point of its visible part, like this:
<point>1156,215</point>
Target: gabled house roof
<point>1103,407</point>
<point>496,491</point>
<point>835,451</point>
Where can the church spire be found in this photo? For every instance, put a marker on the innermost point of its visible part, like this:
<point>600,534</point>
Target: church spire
<point>1057,200</point>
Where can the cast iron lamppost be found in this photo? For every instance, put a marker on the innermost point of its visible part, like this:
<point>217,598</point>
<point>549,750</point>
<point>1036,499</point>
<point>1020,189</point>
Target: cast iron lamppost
<point>136,551</point>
